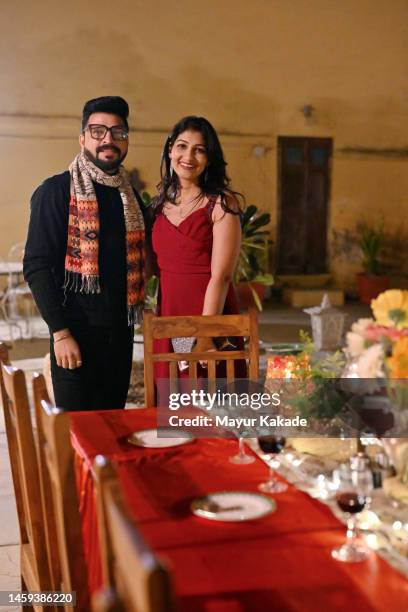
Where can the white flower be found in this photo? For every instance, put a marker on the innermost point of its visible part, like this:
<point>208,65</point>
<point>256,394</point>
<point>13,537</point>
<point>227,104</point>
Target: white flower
<point>370,362</point>
<point>360,326</point>
<point>355,344</point>
<point>355,337</point>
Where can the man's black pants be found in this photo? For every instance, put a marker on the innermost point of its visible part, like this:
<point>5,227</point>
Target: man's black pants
<point>102,382</point>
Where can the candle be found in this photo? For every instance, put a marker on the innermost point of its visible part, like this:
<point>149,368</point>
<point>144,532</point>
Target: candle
<point>287,366</point>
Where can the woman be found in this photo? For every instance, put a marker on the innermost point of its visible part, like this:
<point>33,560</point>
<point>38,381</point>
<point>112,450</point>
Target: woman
<point>196,232</point>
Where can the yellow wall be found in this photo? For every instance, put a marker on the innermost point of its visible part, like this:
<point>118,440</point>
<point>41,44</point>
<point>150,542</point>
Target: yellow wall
<point>248,66</point>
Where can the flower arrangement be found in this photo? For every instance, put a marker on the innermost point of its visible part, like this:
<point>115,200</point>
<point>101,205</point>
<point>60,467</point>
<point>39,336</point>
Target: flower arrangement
<point>378,347</point>
<point>310,388</point>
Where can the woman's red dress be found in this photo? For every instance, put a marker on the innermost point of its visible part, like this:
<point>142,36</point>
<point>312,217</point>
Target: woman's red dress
<point>183,255</point>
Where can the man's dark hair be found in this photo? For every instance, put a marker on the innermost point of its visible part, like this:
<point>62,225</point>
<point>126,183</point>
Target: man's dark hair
<point>115,105</point>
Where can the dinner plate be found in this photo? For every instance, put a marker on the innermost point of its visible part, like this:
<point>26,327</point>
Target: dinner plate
<point>230,506</point>
<point>287,348</point>
<point>149,438</point>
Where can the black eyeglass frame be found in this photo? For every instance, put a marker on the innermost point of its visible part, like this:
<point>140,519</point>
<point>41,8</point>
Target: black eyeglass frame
<point>108,129</point>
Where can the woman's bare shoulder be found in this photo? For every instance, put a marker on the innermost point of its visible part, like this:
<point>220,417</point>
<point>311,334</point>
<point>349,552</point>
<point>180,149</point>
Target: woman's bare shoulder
<point>224,204</point>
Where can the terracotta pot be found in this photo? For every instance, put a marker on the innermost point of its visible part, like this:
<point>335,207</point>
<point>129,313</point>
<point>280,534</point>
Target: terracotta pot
<point>370,286</point>
<point>244,293</point>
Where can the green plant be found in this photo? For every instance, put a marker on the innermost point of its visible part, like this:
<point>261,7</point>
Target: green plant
<point>147,198</point>
<point>370,239</point>
<point>252,261</point>
<point>152,293</point>
<point>318,395</point>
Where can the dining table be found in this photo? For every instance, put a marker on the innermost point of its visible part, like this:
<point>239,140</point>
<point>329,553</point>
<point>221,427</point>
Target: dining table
<point>281,561</point>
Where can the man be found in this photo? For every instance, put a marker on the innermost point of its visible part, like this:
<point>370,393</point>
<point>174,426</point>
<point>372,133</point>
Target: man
<point>84,262</point>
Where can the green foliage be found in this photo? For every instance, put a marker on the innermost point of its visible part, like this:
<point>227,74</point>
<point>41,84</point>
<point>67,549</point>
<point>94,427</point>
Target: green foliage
<point>319,399</point>
<point>147,198</point>
<point>306,340</point>
<point>318,396</point>
<point>371,241</point>
<point>152,293</point>
<point>252,259</point>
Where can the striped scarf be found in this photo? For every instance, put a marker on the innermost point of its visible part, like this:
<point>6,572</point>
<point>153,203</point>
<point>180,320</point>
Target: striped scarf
<point>81,260</point>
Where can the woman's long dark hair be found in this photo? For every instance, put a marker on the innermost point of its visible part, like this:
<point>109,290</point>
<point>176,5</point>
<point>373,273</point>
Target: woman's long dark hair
<point>214,179</point>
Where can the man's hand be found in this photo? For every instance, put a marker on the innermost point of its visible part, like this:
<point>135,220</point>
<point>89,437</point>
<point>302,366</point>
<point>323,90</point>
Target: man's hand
<point>66,349</point>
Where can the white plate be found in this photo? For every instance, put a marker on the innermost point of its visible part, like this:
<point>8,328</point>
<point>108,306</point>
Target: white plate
<point>229,506</point>
<point>149,438</point>
<point>284,348</point>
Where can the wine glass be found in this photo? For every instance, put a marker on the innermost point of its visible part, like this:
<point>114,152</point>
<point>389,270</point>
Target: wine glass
<point>241,458</point>
<point>353,490</point>
<point>272,445</point>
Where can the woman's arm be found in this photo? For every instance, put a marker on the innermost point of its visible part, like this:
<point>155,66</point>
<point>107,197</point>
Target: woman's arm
<point>225,251</point>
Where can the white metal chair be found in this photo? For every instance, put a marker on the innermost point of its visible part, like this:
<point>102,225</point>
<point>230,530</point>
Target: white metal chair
<point>17,290</point>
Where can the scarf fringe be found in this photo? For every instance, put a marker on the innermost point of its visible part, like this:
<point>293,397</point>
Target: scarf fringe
<point>135,314</point>
<point>81,282</point>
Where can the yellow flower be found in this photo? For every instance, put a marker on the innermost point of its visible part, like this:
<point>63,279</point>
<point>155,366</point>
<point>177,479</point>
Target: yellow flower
<point>391,308</point>
<point>398,362</point>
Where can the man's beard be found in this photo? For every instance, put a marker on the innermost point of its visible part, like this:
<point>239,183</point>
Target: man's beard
<point>109,166</point>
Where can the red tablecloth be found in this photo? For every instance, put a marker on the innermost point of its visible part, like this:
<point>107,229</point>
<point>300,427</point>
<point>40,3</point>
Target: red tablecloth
<point>280,562</point>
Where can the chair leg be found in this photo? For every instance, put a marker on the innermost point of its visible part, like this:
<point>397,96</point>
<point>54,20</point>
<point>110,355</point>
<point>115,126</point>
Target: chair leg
<point>24,589</point>
<point>27,318</point>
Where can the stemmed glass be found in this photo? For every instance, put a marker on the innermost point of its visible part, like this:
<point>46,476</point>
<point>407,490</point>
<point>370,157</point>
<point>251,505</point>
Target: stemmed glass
<point>273,446</point>
<point>241,458</point>
<point>354,487</point>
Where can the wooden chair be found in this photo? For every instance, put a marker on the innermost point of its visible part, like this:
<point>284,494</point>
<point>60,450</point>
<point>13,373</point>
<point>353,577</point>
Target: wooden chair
<point>134,579</point>
<point>35,574</point>
<point>217,326</point>
<point>58,487</point>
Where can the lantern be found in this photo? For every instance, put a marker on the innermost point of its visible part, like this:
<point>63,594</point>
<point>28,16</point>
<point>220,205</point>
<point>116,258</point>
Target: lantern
<point>327,325</point>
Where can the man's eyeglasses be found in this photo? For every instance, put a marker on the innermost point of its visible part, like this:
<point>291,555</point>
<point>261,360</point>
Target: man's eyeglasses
<point>98,132</point>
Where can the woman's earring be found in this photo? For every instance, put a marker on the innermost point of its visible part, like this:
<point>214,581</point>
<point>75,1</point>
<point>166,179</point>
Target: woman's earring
<point>171,170</point>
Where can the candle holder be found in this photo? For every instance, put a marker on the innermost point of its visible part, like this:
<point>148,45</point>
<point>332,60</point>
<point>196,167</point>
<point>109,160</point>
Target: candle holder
<point>288,366</point>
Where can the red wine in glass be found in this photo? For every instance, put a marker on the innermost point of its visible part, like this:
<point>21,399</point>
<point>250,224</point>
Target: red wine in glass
<point>352,496</point>
<point>272,444</point>
<point>350,502</point>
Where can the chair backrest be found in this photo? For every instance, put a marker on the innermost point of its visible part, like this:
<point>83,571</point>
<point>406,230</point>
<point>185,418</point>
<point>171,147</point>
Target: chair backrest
<point>57,475</point>
<point>26,481</point>
<point>214,326</point>
<point>17,313</point>
<point>15,256</point>
<point>134,579</point>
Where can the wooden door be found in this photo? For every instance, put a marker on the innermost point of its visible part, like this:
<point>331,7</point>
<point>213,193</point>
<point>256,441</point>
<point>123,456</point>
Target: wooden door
<point>303,197</point>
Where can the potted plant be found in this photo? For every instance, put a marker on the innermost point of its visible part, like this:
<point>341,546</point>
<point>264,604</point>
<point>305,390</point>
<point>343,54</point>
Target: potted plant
<point>372,281</point>
<point>251,278</point>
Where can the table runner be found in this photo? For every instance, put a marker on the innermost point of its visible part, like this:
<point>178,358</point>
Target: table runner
<point>280,562</point>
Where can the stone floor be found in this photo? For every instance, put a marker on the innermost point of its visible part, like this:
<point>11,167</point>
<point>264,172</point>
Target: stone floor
<point>277,324</point>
